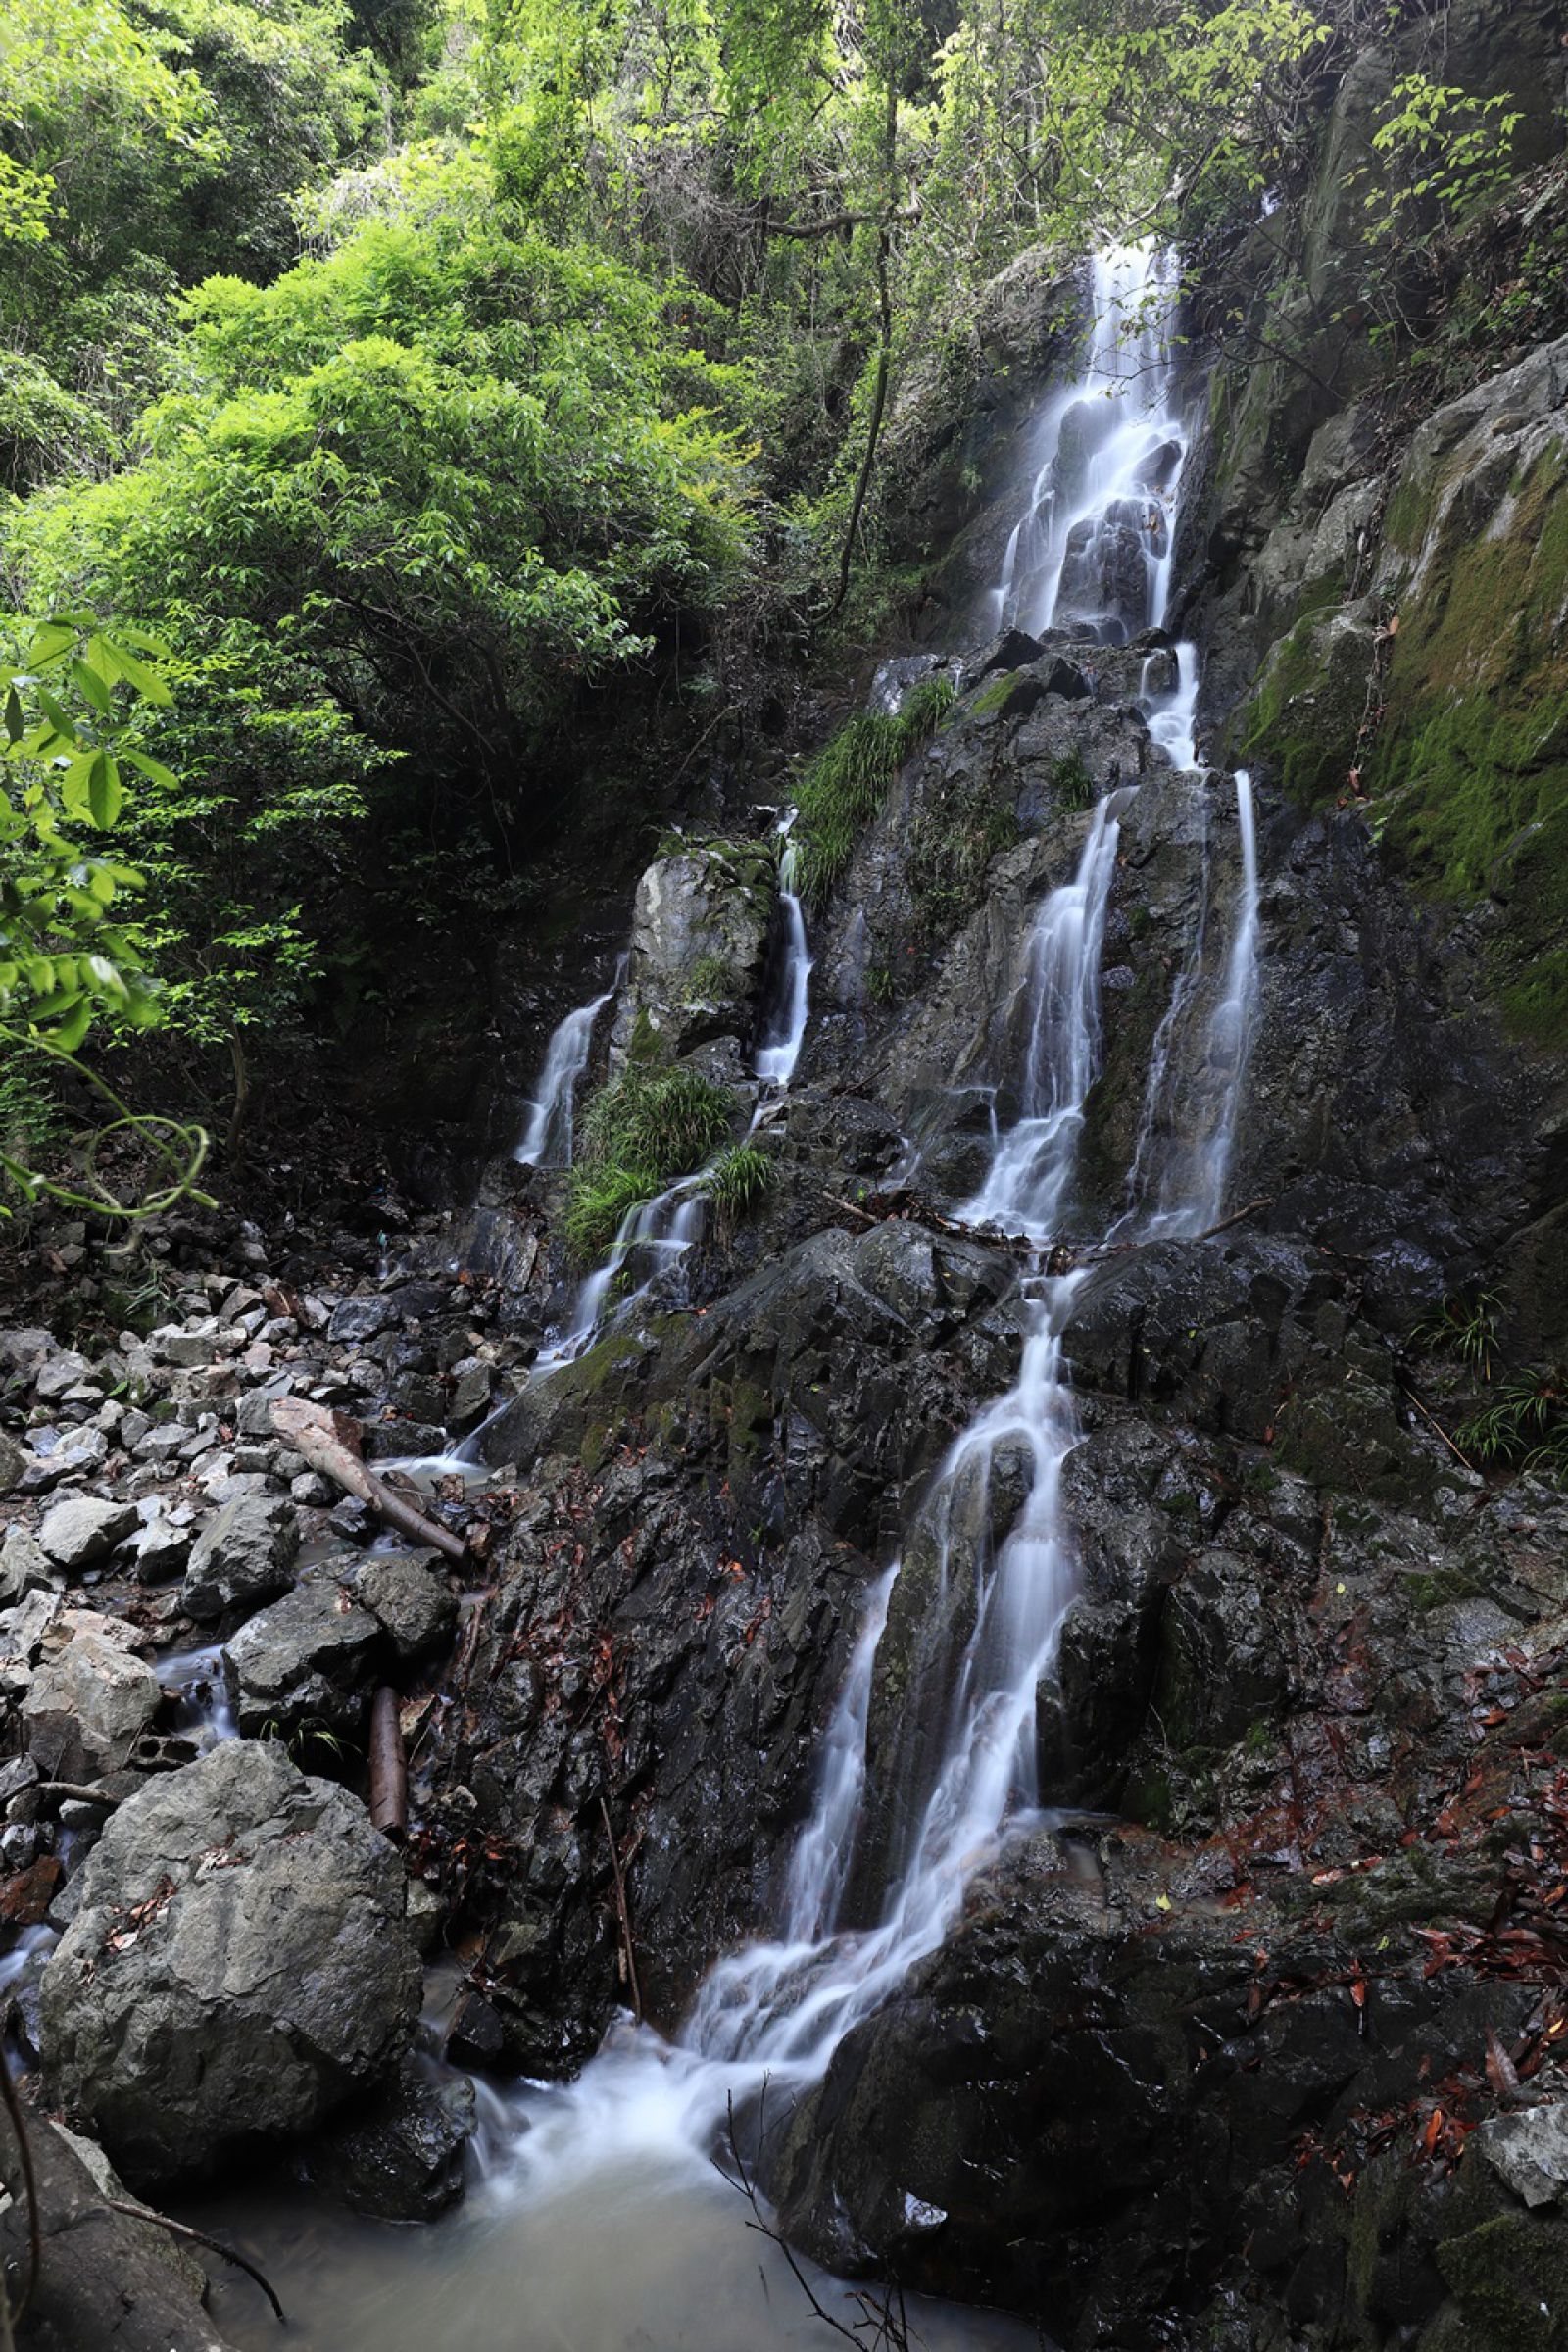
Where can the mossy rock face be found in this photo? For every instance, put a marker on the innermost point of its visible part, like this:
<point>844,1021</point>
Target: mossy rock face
<point>1511,2279</point>
<point>1306,710</point>
<point>1474,749</point>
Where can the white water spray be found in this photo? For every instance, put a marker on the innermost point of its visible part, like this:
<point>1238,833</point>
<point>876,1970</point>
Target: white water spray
<point>548,1136</point>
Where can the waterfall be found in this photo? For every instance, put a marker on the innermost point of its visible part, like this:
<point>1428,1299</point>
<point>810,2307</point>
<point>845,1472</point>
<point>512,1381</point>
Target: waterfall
<point>965,1761</point>
<point>784,1034</point>
<point>547,1138</point>
<point>1093,547</point>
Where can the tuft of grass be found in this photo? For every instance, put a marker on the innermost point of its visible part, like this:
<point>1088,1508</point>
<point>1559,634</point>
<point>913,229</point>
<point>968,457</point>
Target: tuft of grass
<point>1463,1327</point>
<point>650,1126</point>
<point>1074,783</point>
<point>1528,1425</point>
<point>846,783</point>
<point>738,1179</point>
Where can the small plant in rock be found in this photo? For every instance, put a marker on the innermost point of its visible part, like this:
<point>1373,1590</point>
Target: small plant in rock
<point>1075,785</point>
<point>845,785</point>
<point>738,1179</point>
<point>1527,1426</point>
<point>647,1128</point>
<point>1463,1327</point>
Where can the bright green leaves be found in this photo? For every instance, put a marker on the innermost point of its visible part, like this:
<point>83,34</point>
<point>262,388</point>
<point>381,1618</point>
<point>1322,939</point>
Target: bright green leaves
<point>66,711</point>
<point>1440,150</point>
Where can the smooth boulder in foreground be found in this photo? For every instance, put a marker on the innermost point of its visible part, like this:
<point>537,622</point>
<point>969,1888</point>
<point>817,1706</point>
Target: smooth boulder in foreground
<point>240,1964</point>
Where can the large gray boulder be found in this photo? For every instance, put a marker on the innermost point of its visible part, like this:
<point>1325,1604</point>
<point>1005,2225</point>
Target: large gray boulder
<point>106,2283</point>
<point>699,951</point>
<point>244,1558</point>
<point>239,1965</point>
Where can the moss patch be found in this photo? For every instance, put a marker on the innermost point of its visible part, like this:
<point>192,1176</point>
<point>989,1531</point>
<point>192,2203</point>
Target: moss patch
<point>1473,753</point>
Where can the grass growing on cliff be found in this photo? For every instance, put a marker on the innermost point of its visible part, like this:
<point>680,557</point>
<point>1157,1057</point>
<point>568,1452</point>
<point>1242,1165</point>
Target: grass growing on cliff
<point>738,1179</point>
<point>640,1134</point>
<point>1528,1425</point>
<point>845,785</point>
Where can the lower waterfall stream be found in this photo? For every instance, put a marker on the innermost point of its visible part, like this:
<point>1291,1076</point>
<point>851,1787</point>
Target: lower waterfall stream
<point>598,2220</point>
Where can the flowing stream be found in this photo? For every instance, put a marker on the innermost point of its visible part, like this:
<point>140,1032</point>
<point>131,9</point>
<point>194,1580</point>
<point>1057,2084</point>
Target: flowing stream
<point>597,2201</point>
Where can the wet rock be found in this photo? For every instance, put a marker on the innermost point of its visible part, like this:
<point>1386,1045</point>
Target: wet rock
<point>77,1535</point>
<point>240,1965</point>
<point>410,1600</point>
<point>1529,2152</point>
<point>243,1557</point>
<point>304,1662</point>
<point>105,2280</point>
<point>27,1895</point>
<point>355,1320</point>
<point>401,2157</point>
<point>88,1708</point>
<point>699,951</point>
<point>1013,648</point>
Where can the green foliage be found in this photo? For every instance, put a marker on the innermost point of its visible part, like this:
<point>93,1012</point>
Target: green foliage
<point>1527,1425</point>
<point>66,952</point>
<point>1440,151</point>
<point>845,784</point>
<point>640,1133</point>
<point>439,477</point>
<point>738,1179</point>
<point>1071,781</point>
<point>1463,1327</point>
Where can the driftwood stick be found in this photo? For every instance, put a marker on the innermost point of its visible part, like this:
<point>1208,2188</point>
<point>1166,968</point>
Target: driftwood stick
<point>29,2182</point>
<point>853,1206</point>
<point>389,1772</point>
<point>627,1944</point>
<point>199,2238</point>
<point>1431,1419</point>
<point>311,1430</point>
<point>1235,1218</point>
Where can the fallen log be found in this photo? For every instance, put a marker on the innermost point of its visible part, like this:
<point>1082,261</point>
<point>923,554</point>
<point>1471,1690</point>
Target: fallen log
<point>389,1772</point>
<point>317,1433</point>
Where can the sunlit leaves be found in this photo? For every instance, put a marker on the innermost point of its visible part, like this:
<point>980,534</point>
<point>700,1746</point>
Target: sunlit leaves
<point>67,708</point>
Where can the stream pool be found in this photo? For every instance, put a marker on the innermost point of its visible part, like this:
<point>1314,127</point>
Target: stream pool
<point>641,2255</point>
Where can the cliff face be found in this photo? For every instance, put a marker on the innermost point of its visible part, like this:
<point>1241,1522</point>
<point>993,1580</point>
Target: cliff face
<point>1255,2045</point>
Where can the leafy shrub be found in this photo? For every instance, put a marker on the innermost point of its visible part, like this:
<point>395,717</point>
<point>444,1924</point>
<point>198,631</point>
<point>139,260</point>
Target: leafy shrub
<point>845,785</point>
<point>640,1134</point>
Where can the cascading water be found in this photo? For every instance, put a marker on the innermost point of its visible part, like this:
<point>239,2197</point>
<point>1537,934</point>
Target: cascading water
<point>642,2120</point>
<point>785,1033</point>
<point>1094,544</point>
<point>548,1137</point>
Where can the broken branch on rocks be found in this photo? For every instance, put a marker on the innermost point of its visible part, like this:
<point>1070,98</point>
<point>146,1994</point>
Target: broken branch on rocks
<point>318,1434</point>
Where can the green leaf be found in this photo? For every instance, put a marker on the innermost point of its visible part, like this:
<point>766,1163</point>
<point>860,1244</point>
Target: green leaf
<point>105,793</point>
<point>95,688</point>
<point>154,770</point>
<point>148,684</point>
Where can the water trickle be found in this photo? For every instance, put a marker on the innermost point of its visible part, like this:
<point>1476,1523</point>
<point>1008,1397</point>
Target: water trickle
<point>785,1032</point>
<point>547,1137</point>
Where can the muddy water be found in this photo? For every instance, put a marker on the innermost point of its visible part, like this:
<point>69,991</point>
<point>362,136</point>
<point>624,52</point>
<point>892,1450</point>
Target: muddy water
<point>637,2257</point>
